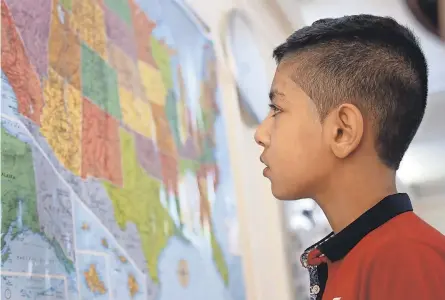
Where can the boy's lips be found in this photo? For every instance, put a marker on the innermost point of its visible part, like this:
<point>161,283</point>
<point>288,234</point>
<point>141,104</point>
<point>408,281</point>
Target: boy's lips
<point>263,161</point>
<point>266,171</point>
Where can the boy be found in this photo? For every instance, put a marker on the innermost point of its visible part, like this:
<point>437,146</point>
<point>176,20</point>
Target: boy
<point>346,101</point>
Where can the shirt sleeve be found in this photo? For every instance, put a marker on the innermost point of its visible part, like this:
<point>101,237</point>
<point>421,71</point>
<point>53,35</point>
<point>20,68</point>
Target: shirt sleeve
<point>406,271</point>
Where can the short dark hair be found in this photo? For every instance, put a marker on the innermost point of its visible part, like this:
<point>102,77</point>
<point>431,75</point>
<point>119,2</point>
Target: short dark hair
<point>369,61</point>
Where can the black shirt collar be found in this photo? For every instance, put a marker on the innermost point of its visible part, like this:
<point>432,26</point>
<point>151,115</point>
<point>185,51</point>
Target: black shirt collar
<point>335,247</point>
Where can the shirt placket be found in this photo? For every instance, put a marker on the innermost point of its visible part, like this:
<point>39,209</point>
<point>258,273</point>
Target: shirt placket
<point>315,290</point>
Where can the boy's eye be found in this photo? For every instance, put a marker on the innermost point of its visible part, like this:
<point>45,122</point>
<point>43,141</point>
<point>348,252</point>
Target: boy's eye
<point>274,109</point>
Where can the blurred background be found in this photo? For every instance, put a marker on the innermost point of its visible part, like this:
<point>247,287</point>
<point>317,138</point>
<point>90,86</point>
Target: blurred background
<point>158,193</point>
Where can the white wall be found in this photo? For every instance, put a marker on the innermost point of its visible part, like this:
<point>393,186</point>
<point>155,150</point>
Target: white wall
<point>432,210</point>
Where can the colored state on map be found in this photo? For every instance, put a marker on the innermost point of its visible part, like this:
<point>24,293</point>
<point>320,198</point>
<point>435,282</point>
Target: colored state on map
<point>18,69</point>
<point>143,28</point>
<point>127,71</point>
<point>101,154</point>
<point>138,202</point>
<point>62,120</point>
<point>32,18</point>
<point>87,20</point>
<point>121,8</point>
<point>64,47</point>
<point>99,82</point>
<point>119,33</point>
<point>161,54</point>
<point>19,209</point>
<point>136,113</point>
<point>153,83</point>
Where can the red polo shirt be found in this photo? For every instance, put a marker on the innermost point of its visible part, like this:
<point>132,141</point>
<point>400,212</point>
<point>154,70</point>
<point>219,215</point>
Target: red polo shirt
<point>388,253</point>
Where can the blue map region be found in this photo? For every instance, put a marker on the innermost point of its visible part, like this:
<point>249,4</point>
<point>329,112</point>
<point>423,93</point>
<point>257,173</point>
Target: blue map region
<point>203,279</point>
<point>38,262</point>
<point>152,8</point>
<point>9,100</point>
<point>35,253</point>
<point>93,237</point>
<point>15,287</point>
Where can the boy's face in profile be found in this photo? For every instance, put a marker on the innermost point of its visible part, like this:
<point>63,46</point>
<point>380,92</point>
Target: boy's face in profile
<point>295,152</point>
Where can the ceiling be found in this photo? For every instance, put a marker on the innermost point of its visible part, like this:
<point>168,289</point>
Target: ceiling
<point>423,167</point>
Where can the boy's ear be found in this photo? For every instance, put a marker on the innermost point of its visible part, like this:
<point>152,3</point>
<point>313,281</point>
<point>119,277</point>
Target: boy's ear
<point>345,132</point>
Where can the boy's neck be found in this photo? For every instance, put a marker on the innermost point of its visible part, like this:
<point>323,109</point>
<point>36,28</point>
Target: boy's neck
<point>352,191</point>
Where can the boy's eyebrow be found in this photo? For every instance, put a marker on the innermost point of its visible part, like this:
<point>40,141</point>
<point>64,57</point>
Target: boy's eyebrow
<point>273,93</point>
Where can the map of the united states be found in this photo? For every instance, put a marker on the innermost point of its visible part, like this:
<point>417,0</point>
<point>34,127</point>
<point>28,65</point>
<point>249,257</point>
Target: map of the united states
<point>115,173</point>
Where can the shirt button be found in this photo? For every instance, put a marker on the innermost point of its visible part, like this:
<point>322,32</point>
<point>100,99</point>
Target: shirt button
<point>315,289</point>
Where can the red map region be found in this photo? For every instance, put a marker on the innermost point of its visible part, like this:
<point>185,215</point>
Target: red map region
<point>32,20</point>
<point>101,151</point>
<point>168,153</point>
<point>20,73</point>
<point>143,28</point>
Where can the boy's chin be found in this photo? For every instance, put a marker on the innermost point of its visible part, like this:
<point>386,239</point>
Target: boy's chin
<point>287,195</point>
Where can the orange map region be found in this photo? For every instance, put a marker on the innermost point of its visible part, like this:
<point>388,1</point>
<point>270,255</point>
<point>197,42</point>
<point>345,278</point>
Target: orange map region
<point>62,120</point>
<point>18,70</point>
<point>164,136</point>
<point>89,23</point>
<point>94,283</point>
<point>170,173</point>
<point>143,28</point>
<point>101,156</point>
<point>64,47</point>
<point>127,71</point>
<point>133,285</point>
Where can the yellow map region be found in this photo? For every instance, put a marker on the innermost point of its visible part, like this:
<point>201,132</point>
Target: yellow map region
<point>88,21</point>
<point>136,113</point>
<point>93,281</point>
<point>153,83</point>
<point>138,202</point>
<point>61,120</point>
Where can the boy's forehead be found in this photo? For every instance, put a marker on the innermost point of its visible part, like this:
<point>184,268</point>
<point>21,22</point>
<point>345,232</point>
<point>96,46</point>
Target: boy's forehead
<point>282,80</point>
